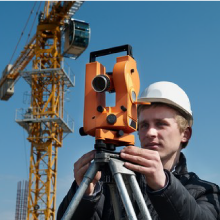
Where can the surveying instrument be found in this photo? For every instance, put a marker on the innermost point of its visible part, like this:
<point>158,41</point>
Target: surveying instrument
<point>111,127</point>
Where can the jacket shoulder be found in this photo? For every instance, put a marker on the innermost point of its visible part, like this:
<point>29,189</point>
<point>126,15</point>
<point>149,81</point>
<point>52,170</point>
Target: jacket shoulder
<point>194,183</point>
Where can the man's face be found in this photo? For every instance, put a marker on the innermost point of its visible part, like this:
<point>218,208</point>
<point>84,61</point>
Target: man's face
<point>159,131</point>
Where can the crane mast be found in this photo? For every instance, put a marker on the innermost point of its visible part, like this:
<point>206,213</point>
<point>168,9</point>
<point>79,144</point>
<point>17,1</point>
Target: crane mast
<point>47,91</point>
<point>45,119</point>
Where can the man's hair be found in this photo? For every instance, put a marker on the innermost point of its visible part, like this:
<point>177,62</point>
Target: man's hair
<point>181,120</point>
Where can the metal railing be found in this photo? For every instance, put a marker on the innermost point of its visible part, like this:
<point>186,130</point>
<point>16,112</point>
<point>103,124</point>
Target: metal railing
<point>65,66</point>
<point>36,115</point>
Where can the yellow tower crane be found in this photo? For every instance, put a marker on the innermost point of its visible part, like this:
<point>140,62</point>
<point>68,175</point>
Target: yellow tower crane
<point>45,119</point>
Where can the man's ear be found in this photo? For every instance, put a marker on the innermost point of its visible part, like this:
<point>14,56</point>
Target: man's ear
<point>187,134</point>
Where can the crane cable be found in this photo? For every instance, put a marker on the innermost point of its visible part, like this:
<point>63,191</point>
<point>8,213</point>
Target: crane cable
<point>33,23</point>
<point>22,32</point>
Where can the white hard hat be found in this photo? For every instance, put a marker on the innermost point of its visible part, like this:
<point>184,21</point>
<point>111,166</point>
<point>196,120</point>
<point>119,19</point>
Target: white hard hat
<point>168,93</point>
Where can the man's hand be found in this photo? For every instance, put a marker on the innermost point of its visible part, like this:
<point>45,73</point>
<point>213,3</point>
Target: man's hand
<point>146,162</point>
<point>80,168</point>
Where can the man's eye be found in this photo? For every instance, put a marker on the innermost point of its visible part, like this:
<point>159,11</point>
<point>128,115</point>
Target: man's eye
<point>144,125</point>
<point>160,123</point>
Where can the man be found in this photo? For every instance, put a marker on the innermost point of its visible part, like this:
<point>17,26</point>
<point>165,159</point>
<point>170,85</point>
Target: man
<point>169,190</point>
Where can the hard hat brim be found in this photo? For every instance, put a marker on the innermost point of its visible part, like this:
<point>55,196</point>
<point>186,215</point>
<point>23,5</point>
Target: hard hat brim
<point>149,101</point>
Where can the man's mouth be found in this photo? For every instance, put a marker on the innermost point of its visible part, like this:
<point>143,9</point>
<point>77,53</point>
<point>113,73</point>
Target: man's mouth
<point>152,146</point>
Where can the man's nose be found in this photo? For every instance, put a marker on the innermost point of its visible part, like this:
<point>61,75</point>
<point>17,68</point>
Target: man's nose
<point>151,132</point>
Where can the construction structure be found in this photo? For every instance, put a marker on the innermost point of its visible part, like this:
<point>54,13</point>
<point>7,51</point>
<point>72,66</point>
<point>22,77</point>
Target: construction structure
<point>21,200</point>
<point>45,120</point>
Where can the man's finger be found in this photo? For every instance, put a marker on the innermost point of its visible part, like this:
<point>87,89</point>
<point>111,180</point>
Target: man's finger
<point>137,159</point>
<point>85,159</point>
<point>136,151</point>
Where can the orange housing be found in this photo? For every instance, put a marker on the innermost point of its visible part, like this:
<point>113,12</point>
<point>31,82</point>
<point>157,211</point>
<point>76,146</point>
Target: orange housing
<point>104,125</point>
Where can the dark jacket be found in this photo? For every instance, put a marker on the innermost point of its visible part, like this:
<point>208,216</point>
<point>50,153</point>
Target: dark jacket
<point>186,197</point>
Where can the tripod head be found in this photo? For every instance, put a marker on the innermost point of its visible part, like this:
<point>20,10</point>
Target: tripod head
<point>111,126</point>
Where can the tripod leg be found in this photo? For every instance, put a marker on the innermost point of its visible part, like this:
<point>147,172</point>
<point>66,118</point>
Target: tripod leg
<point>115,201</point>
<point>125,197</point>
<point>88,177</point>
<point>139,198</point>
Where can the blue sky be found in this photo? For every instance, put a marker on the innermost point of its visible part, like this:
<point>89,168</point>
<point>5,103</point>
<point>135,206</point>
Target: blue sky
<point>172,41</point>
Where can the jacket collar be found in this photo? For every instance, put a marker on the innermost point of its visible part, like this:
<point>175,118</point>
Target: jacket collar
<point>181,167</point>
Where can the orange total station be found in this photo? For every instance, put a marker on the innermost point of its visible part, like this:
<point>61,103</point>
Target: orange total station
<point>111,125</point>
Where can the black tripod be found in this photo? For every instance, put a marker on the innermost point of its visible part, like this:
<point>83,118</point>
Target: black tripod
<point>118,171</point>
